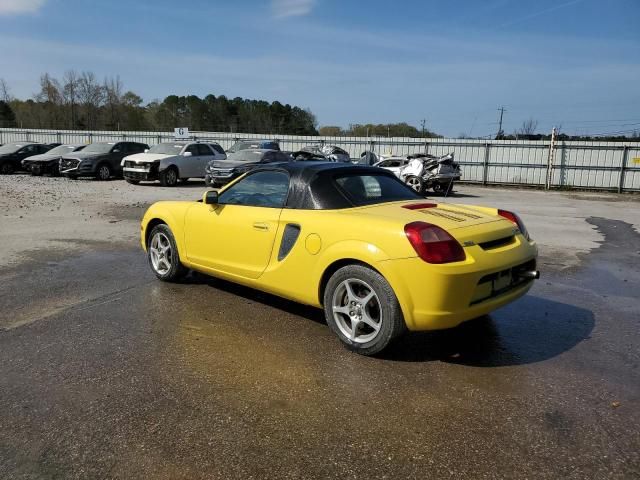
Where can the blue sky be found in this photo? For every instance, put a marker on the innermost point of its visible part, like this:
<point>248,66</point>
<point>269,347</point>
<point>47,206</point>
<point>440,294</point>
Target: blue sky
<point>453,63</point>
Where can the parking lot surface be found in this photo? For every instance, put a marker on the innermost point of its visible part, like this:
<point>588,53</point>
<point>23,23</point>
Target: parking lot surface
<point>106,372</point>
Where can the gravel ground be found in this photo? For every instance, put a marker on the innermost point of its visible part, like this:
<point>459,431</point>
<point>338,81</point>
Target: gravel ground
<point>57,213</point>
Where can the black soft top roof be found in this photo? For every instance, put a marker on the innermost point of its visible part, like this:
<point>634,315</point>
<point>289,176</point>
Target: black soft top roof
<point>312,185</point>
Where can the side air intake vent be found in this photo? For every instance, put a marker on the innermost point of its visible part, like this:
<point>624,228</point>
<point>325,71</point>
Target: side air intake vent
<point>289,238</point>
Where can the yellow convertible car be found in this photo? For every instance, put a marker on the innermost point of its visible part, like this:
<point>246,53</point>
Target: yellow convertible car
<point>353,240</point>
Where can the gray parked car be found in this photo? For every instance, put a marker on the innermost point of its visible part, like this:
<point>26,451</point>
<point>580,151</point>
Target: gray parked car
<point>99,160</point>
<point>220,172</point>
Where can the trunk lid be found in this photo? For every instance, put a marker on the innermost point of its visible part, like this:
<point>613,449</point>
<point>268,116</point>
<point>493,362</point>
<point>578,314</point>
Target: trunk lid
<point>445,215</point>
<point>464,223</point>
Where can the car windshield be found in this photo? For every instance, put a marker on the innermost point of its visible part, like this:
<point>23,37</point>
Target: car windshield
<point>167,148</point>
<point>11,147</point>
<point>371,188</point>
<point>62,149</point>
<point>99,147</point>
<point>246,156</point>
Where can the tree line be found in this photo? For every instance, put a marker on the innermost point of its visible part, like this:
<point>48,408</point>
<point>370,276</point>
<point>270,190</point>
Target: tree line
<point>80,101</point>
<point>380,130</point>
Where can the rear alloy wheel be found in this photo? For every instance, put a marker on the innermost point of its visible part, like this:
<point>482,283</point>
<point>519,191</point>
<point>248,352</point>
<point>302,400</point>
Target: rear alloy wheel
<point>6,169</point>
<point>104,172</point>
<point>163,255</point>
<point>362,309</point>
<point>415,183</point>
<point>169,178</point>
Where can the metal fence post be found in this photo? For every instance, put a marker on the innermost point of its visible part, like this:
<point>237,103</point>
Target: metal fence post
<point>623,166</point>
<point>550,159</point>
<point>485,163</point>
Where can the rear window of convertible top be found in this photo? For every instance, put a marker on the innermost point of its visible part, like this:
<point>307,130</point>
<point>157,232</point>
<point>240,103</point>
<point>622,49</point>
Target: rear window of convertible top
<point>371,189</point>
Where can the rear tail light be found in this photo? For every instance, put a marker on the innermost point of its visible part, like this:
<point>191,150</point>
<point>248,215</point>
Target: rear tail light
<point>433,244</point>
<point>513,217</point>
<point>420,206</point>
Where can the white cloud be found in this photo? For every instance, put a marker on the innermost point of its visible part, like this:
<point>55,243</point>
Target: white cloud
<point>13,7</point>
<point>290,8</point>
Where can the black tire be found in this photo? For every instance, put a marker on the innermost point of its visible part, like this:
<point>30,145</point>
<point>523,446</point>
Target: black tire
<point>36,170</point>
<point>414,182</point>
<point>176,270</point>
<point>169,177</point>
<point>443,188</point>
<point>103,172</point>
<point>131,181</point>
<point>72,177</point>
<point>6,168</point>
<point>391,321</point>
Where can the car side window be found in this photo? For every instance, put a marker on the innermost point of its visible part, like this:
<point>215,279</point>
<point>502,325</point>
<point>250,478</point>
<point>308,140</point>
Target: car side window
<point>261,189</point>
<point>204,149</point>
<point>217,148</point>
<point>193,149</point>
<point>121,147</point>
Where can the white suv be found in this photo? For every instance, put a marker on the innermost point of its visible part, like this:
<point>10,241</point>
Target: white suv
<point>170,162</point>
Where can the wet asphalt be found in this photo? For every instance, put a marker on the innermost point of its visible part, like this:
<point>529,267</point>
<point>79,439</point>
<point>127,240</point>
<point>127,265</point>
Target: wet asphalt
<point>106,372</point>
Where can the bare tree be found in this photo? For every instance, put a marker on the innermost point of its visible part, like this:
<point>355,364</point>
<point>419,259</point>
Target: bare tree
<point>113,99</point>
<point>5,91</point>
<point>70,95</point>
<point>91,95</point>
<point>528,127</point>
<point>50,95</point>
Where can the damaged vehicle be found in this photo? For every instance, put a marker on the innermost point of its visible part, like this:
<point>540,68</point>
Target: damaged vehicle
<point>327,153</point>
<point>424,171</point>
<point>49,162</point>
<point>393,164</point>
<point>171,162</point>
<point>99,160</point>
<point>12,154</point>
<point>221,172</point>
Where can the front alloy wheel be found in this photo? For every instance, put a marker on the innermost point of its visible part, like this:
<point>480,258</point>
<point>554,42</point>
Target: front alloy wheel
<point>104,172</point>
<point>6,169</point>
<point>169,178</point>
<point>163,254</point>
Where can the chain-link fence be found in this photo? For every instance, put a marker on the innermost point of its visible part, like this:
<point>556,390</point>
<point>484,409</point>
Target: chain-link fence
<point>611,166</point>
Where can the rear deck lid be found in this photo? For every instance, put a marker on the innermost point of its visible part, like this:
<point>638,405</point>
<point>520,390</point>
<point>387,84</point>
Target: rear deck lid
<point>445,215</point>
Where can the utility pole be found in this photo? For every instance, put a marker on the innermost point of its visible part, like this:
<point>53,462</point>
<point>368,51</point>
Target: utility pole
<point>500,132</point>
<point>423,122</point>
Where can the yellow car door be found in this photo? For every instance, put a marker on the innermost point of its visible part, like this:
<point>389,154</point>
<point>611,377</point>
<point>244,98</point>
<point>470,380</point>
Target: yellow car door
<point>236,236</point>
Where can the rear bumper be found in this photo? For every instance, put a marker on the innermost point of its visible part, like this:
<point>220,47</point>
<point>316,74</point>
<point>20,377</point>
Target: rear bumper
<point>435,297</point>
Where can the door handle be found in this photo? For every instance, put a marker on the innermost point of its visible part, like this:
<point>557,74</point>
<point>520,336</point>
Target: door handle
<point>261,226</point>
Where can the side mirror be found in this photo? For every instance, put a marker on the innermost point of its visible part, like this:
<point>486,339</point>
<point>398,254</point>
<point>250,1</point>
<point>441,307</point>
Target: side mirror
<point>187,154</point>
<point>210,198</point>
<point>116,150</point>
